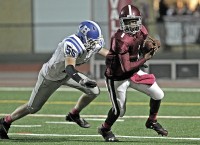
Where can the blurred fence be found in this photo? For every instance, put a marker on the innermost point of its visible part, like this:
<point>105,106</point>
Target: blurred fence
<point>163,69</point>
<point>180,34</point>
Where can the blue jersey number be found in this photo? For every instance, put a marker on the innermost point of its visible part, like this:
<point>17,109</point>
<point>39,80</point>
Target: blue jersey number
<point>69,51</point>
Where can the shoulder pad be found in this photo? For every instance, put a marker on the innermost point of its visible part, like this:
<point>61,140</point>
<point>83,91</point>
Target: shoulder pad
<point>119,46</point>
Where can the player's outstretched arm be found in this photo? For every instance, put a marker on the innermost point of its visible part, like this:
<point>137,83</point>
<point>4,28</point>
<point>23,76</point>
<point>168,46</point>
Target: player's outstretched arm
<point>103,51</point>
<point>73,73</point>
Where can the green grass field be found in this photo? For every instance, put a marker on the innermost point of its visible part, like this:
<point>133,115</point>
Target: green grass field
<point>179,114</point>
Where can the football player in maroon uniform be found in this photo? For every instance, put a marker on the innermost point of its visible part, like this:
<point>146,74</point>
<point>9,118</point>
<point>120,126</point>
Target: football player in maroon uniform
<point>129,50</point>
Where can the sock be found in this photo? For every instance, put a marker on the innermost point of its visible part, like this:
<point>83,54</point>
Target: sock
<point>74,111</point>
<point>154,107</point>
<point>8,119</point>
<point>153,116</point>
<point>106,126</point>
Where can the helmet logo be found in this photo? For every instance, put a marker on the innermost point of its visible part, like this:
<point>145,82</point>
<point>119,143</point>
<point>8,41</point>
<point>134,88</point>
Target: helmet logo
<point>85,30</point>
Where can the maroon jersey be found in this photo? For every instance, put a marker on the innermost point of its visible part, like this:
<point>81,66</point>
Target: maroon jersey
<point>123,60</point>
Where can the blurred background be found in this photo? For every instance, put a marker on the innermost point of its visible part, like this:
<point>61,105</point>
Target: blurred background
<point>31,29</point>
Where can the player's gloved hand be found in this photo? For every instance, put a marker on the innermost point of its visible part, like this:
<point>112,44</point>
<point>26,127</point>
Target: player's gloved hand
<point>149,55</point>
<point>88,83</point>
<point>156,45</point>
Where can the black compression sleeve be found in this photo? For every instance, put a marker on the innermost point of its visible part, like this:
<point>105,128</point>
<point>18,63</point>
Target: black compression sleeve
<point>73,73</point>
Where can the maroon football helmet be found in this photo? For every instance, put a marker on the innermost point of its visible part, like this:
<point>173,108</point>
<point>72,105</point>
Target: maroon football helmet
<point>130,19</point>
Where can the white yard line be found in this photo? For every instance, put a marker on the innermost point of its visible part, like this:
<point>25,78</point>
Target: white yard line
<point>120,136</point>
<point>91,119</point>
<point>169,138</point>
<point>104,116</point>
<point>103,119</point>
<point>56,122</point>
<point>27,126</point>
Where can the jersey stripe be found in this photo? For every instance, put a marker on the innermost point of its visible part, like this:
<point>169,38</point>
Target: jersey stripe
<point>77,43</point>
<point>80,50</point>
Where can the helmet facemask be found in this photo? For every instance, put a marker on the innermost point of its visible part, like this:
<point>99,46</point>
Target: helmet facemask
<point>93,46</point>
<point>131,25</point>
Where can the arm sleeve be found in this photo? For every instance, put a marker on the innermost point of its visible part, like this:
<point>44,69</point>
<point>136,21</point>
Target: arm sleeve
<point>127,65</point>
<point>73,73</point>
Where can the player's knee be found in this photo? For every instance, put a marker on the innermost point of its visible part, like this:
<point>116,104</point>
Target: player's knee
<point>158,95</point>
<point>119,113</point>
<point>33,110</point>
<point>161,95</point>
<point>94,92</point>
<point>92,96</point>
<point>122,112</point>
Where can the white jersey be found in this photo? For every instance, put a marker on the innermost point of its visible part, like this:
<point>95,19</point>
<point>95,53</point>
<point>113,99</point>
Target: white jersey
<point>71,46</point>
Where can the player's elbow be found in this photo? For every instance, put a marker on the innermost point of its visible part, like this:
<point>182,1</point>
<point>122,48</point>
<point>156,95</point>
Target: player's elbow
<point>127,68</point>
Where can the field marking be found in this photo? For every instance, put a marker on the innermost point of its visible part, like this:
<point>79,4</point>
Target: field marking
<point>98,119</point>
<point>90,119</point>
<point>104,116</point>
<point>27,126</point>
<point>120,136</point>
<point>56,122</point>
<point>102,89</point>
<point>103,103</point>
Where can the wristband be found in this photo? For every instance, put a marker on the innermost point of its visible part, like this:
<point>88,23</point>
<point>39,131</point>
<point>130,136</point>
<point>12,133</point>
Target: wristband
<point>73,73</point>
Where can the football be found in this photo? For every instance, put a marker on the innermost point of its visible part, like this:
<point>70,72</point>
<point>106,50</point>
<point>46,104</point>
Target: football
<point>150,44</point>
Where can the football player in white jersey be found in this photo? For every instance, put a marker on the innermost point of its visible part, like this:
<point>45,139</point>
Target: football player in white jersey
<point>60,70</point>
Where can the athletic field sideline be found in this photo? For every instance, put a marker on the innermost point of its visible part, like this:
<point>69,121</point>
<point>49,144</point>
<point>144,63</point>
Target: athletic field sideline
<point>179,114</point>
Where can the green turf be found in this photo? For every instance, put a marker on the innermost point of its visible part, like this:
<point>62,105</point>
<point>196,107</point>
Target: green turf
<point>174,104</point>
